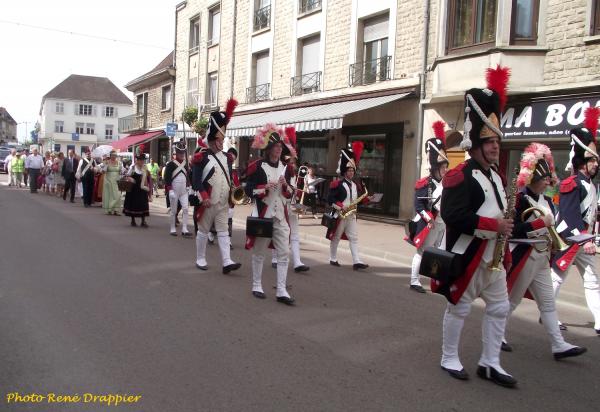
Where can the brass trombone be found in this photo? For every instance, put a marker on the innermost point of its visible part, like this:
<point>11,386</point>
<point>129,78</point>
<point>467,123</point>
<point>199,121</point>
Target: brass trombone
<point>238,196</point>
<point>555,242</point>
<point>298,206</point>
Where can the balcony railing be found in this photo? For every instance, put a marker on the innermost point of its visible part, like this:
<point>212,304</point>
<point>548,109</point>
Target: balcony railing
<point>133,123</point>
<point>305,6</point>
<point>258,93</point>
<point>306,83</point>
<point>370,71</point>
<point>262,18</point>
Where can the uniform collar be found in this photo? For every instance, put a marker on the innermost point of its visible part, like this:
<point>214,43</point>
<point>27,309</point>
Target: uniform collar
<point>583,176</point>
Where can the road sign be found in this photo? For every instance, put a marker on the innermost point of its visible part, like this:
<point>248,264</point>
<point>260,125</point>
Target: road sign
<point>170,129</point>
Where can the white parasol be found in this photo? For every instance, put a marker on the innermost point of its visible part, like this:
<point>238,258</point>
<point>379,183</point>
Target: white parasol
<point>102,151</point>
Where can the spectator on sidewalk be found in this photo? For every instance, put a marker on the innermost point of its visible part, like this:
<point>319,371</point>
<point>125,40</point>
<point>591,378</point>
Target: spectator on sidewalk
<point>50,182</point>
<point>18,167</point>
<point>34,164</point>
<point>68,172</point>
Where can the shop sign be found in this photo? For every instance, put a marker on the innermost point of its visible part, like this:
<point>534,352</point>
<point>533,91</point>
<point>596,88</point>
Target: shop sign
<point>545,118</point>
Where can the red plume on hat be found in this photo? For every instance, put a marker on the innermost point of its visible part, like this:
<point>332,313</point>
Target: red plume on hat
<point>229,108</point>
<point>357,149</point>
<point>497,80</point>
<point>590,121</point>
<point>438,131</point>
<point>290,133</point>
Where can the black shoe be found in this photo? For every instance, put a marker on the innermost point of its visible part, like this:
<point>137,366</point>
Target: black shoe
<point>201,267</point>
<point>186,234</point>
<point>72,201</point>
<point>285,300</point>
<point>506,347</point>
<point>274,265</point>
<point>301,268</point>
<point>358,266</point>
<point>576,351</point>
<point>144,224</point>
<point>461,374</point>
<point>133,223</point>
<point>334,263</point>
<point>562,327</point>
<point>491,374</point>
<point>597,332</point>
<point>418,288</point>
<point>259,295</point>
<point>173,233</point>
<point>229,268</point>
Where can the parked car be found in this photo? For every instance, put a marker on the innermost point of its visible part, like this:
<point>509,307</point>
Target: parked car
<point>3,153</point>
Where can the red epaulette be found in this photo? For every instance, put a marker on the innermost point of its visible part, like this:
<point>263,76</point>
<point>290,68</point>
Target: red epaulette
<point>455,176</point>
<point>197,158</point>
<point>334,183</point>
<point>568,185</point>
<point>421,183</point>
<point>252,167</point>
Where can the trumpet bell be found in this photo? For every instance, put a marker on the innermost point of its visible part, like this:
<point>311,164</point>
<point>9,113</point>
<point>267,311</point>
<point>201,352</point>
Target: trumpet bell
<point>238,196</point>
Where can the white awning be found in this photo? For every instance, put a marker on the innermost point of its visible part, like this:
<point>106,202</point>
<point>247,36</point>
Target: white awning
<point>305,119</point>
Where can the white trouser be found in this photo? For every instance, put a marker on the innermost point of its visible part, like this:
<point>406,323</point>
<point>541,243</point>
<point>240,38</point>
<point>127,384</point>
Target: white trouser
<point>281,242</point>
<point>216,214</point>
<point>491,287</point>
<point>179,193</point>
<point>434,238</point>
<point>535,277</point>
<point>586,266</point>
<point>293,219</point>
<point>11,177</point>
<point>350,227</point>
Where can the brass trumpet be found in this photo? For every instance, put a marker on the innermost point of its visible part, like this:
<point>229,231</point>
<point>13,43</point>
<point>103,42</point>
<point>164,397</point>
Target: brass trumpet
<point>555,242</point>
<point>238,196</point>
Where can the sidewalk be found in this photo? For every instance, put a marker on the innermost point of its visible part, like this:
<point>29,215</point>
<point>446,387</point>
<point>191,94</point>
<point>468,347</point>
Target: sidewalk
<point>377,240</point>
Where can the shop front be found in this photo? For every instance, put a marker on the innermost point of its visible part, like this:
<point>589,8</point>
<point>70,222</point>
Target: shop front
<point>545,120</point>
<point>386,165</point>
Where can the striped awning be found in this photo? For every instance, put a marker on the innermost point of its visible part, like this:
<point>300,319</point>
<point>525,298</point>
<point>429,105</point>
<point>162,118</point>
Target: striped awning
<point>305,119</point>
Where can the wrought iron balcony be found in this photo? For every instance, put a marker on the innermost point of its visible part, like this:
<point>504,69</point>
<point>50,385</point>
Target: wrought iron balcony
<point>258,93</point>
<point>133,123</point>
<point>306,83</point>
<point>370,71</point>
<point>305,6</point>
<point>262,18</point>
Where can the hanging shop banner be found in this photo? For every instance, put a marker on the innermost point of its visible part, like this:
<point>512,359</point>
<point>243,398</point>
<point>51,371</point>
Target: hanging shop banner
<point>545,118</point>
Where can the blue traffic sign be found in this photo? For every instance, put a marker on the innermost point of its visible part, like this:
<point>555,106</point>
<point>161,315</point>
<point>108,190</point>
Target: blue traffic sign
<point>170,129</point>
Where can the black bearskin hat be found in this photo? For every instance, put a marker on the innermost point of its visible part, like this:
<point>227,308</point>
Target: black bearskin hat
<point>583,140</point>
<point>218,121</point>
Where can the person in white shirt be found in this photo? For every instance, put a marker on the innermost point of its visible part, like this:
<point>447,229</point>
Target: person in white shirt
<point>34,163</point>
<point>8,165</point>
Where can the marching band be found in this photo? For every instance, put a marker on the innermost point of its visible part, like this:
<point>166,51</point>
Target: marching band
<point>476,236</point>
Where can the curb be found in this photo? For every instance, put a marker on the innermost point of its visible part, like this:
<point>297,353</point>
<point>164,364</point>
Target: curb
<point>366,252</point>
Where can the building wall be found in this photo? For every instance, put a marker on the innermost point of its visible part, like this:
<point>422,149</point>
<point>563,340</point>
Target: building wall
<point>49,116</point>
<point>8,129</point>
<point>156,116</point>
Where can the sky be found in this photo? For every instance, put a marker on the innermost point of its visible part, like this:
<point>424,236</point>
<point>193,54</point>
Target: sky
<point>35,60</point>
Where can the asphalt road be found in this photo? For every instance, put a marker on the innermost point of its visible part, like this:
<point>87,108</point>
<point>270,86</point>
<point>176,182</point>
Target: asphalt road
<point>89,304</point>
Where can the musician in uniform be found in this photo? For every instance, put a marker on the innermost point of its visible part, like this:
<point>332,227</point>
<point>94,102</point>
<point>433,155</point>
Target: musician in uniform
<point>268,184</point>
<point>578,205</point>
<point>213,180</point>
<point>177,182</point>
<point>427,227</point>
<point>344,195</point>
<point>295,207</point>
<point>474,208</point>
<point>529,274</point>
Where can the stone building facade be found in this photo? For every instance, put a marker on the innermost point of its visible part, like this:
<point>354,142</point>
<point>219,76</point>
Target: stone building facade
<point>553,50</point>
<point>153,95</point>
<point>352,58</point>
<point>8,128</point>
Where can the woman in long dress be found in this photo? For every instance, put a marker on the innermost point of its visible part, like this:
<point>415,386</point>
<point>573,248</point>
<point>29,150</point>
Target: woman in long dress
<point>50,185</point>
<point>59,179</point>
<point>111,196</point>
<point>136,200</point>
